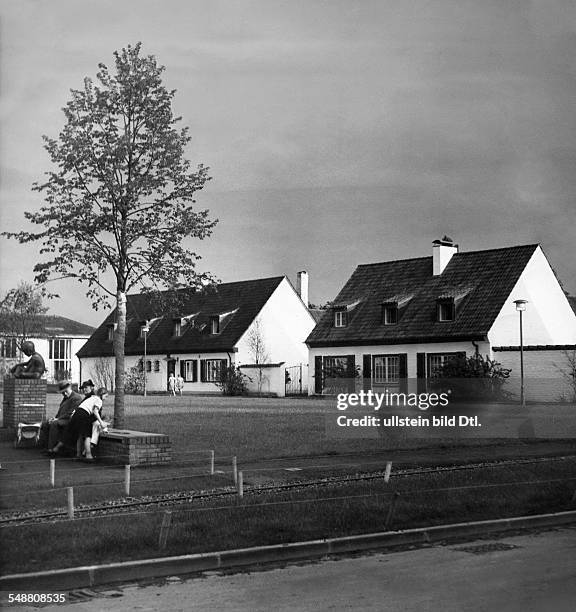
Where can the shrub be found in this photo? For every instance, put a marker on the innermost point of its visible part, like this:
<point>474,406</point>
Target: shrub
<point>233,381</point>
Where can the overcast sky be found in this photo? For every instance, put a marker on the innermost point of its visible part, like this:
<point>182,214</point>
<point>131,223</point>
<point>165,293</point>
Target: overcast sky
<point>337,132</point>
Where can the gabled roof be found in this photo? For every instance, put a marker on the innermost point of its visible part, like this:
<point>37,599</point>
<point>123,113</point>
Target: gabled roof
<point>48,326</point>
<point>478,281</point>
<point>236,304</point>
<point>572,302</point>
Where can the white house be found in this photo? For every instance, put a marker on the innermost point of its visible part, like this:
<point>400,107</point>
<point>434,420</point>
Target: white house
<point>212,329</point>
<point>57,339</point>
<point>400,320</point>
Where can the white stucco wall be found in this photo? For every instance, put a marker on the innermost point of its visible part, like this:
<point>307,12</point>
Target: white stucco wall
<point>410,350</point>
<point>548,318</point>
<point>285,324</point>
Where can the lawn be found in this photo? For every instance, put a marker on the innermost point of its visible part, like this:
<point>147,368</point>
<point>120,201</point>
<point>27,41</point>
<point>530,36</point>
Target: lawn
<point>330,511</point>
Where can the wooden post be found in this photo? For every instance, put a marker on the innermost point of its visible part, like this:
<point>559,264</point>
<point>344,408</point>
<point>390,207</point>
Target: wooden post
<point>240,484</point>
<point>235,470</point>
<point>52,472</point>
<point>164,529</point>
<point>212,463</point>
<point>127,479</point>
<point>388,471</point>
<point>391,510</point>
<point>70,492</point>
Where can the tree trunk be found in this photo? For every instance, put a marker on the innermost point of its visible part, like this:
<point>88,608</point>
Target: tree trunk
<point>119,340</point>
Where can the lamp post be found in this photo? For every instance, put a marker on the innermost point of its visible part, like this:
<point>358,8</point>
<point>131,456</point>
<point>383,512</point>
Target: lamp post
<point>145,331</point>
<point>521,307</point>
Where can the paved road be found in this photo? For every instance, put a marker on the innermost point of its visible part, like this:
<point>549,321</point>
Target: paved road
<point>529,573</point>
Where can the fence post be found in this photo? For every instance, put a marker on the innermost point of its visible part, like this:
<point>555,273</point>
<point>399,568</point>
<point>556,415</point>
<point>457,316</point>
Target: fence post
<point>52,472</point>
<point>235,469</point>
<point>164,529</point>
<point>212,463</point>
<point>70,492</point>
<point>127,479</point>
<point>388,471</point>
<point>391,510</point>
<point>240,484</point>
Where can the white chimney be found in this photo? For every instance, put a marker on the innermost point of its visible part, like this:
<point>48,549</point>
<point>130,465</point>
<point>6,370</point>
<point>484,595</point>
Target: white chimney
<point>442,251</point>
<point>303,287</point>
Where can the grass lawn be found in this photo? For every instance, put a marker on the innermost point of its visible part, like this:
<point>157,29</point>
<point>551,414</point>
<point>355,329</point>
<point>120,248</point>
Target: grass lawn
<point>329,511</point>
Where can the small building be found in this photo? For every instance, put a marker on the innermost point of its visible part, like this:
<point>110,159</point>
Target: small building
<point>57,339</point>
<point>403,319</point>
<point>260,325</point>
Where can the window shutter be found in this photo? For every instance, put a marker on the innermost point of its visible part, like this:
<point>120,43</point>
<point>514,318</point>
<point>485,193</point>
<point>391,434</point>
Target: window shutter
<point>367,371</point>
<point>203,370</point>
<point>403,371</point>
<point>183,369</point>
<point>318,378</point>
<point>351,359</point>
<point>223,366</point>
<point>195,370</point>
<point>421,372</point>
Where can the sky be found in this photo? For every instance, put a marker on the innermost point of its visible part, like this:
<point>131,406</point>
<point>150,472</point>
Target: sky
<point>336,132</point>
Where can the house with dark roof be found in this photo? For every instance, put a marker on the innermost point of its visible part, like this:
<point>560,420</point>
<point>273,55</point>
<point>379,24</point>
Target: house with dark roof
<point>400,320</point>
<point>212,329</point>
<point>57,339</point>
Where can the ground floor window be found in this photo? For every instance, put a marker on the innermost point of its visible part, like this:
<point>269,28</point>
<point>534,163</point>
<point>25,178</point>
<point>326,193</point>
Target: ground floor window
<point>211,369</point>
<point>386,369</point>
<point>59,354</point>
<point>437,360</point>
<point>9,348</point>
<point>189,370</point>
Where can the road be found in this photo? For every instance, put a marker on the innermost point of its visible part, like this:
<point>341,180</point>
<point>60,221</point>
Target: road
<point>535,572</point>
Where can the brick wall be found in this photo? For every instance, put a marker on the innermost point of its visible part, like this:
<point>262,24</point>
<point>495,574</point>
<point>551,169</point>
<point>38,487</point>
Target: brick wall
<point>134,448</point>
<point>24,401</point>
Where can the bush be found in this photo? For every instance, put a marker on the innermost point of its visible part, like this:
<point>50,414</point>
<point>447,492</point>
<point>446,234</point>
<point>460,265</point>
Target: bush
<point>473,378</point>
<point>134,380</point>
<point>233,381</point>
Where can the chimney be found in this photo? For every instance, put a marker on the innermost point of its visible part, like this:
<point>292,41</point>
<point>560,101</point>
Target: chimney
<point>303,287</point>
<point>442,251</point>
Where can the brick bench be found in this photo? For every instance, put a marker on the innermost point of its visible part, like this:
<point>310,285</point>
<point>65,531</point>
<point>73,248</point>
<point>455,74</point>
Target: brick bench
<point>125,447</point>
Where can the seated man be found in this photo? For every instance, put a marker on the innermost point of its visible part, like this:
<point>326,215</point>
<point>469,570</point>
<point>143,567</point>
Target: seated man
<point>54,429</point>
<point>34,367</point>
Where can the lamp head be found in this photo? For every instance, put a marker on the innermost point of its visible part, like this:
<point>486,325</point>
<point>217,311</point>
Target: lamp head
<point>520,305</point>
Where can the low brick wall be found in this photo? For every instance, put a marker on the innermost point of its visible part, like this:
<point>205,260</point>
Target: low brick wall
<point>128,447</point>
<point>24,401</point>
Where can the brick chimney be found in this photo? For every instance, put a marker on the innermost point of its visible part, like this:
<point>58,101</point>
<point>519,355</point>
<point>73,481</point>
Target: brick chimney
<point>442,251</point>
<point>302,287</point>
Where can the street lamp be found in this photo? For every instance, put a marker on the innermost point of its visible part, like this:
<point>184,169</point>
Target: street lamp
<point>521,307</point>
<point>145,331</point>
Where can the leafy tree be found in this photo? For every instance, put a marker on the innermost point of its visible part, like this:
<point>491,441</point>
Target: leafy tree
<point>258,351</point>
<point>120,200</point>
<point>21,311</point>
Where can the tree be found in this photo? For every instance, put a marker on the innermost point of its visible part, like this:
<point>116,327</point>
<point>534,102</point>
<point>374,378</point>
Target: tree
<point>120,200</point>
<point>21,311</point>
<point>258,351</point>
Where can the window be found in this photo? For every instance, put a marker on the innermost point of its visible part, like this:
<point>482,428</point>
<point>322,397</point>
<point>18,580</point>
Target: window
<point>437,360</point>
<point>190,370</point>
<point>156,365</point>
<point>9,347</point>
<point>59,354</point>
<point>111,328</point>
<point>389,314</point>
<point>215,325</point>
<point>386,369</point>
<point>177,327</point>
<point>340,318</point>
<point>212,369</point>
<point>445,310</point>
<point>148,365</point>
<point>336,367</point>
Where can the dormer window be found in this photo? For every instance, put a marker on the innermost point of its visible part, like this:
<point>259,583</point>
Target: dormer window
<point>390,313</point>
<point>445,310</point>
<point>215,325</point>
<point>111,328</point>
<point>177,327</point>
<point>340,318</point>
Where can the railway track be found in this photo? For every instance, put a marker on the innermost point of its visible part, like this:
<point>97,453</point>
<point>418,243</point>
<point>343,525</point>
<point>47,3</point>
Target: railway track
<point>128,505</point>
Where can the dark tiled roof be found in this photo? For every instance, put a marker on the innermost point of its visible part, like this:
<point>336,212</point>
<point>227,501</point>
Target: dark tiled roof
<point>316,313</point>
<point>572,301</point>
<point>238,302</point>
<point>55,325</point>
<point>478,281</point>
